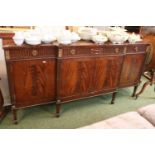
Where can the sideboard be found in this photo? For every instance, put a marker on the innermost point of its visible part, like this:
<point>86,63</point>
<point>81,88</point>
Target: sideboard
<point>56,73</point>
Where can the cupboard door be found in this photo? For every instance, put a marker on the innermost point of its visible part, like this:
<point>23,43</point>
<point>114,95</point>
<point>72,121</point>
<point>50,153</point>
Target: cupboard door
<point>132,69</point>
<point>107,72</point>
<point>75,77</point>
<point>32,81</point>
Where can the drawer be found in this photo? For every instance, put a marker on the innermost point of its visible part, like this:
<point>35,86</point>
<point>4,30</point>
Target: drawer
<point>135,48</point>
<point>89,51</point>
<point>30,53</point>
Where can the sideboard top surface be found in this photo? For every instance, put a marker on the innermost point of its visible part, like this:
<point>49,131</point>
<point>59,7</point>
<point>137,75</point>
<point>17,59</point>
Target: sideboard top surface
<point>79,43</point>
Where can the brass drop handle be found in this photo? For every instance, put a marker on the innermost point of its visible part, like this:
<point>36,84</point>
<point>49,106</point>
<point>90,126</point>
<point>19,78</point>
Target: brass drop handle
<point>95,51</point>
<point>72,51</point>
<point>136,49</point>
<point>34,52</point>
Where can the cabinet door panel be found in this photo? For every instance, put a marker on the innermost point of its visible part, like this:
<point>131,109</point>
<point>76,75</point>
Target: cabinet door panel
<point>76,77</point>
<point>107,71</point>
<point>132,68</point>
<point>33,81</point>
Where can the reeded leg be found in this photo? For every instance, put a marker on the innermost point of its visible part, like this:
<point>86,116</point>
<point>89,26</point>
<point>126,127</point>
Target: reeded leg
<point>134,91</point>
<point>113,97</point>
<point>14,112</point>
<point>58,108</point>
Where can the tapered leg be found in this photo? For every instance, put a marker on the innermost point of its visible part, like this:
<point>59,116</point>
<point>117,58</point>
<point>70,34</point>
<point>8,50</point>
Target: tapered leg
<point>14,112</point>
<point>143,88</point>
<point>58,108</point>
<point>134,91</point>
<point>113,97</point>
<point>152,77</point>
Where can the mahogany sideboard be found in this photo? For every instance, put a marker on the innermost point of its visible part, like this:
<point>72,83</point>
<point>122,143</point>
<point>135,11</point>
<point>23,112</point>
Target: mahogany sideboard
<point>61,73</point>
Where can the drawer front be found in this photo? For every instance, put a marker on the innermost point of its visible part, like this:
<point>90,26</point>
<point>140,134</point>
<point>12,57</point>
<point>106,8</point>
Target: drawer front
<point>30,53</point>
<point>90,51</point>
<point>136,48</point>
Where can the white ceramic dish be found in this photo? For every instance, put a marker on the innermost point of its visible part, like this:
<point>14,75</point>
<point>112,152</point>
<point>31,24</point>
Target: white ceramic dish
<point>64,42</point>
<point>48,39</point>
<point>118,38</point>
<point>75,40</point>
<point>75,37</point>
<point>18,38</point>
<point>32,41</point>
<point>99,39</point>
<point>117,28</point>
<point>18,41</point>
<point>86,33</point>
<point>133,38</point>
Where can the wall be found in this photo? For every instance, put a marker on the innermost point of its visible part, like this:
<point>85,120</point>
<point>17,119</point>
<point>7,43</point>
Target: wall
<point>3,75</point>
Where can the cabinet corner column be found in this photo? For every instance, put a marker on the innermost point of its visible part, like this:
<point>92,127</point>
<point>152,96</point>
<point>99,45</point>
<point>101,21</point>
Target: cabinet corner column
<point>58,101</point>
<point>14,112</point>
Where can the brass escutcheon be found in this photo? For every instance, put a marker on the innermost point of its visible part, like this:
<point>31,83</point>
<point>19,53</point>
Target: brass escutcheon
<point>116,50</point>
<point>34,52</point>
<point>72,51</point>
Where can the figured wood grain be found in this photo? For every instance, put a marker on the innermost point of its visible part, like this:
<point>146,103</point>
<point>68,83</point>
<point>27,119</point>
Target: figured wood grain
<point>33,81</point>
<point>62,73</point>
<point>132,69</point>
<point>76,76</point>
<point>107,72</point>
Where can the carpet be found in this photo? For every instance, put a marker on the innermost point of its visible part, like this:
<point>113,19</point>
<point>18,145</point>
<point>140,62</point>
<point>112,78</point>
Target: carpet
<point>79,113</point>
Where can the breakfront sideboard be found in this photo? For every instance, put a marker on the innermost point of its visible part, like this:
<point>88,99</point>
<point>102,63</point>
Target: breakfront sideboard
<point>61,73</point>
